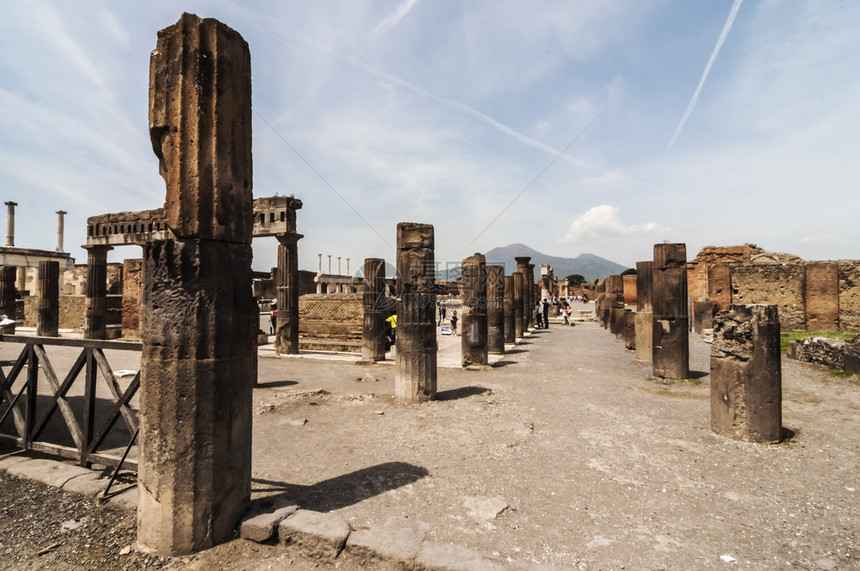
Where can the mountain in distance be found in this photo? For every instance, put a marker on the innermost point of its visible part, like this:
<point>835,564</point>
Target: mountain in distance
<point>589,266</point>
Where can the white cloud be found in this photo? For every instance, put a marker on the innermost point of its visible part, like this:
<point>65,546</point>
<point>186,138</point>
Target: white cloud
<point>601,222</point>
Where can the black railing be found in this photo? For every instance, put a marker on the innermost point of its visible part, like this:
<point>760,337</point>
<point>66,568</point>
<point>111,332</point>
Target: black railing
<point>88,425</point>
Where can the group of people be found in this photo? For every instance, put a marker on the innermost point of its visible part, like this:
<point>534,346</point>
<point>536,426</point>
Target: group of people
<point>443,312</point>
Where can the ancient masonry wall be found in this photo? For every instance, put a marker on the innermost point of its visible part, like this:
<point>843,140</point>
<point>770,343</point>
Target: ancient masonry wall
<point>337,316</point>
<point>780,285</point>
<point>849,295</point>
<point>72,310</point>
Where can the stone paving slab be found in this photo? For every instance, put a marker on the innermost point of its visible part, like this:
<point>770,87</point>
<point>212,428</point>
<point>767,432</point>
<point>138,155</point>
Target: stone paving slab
<point>48,472</point>
<point>314,534</point>
<point>435,556</point>
<point>5,463</point>
<point>89,484</point>
<point>261,523</point>
<point>396,541</point>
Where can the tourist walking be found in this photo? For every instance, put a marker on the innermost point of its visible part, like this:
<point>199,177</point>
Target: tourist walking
<point>442,312</point>
<point>454,322</point>
<point>538,316</point>
<point>391,331</point>
<point>546,314</point>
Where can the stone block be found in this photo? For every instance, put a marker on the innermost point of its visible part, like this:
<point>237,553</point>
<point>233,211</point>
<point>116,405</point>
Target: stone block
<point>821,296</point>
<point>262,521</point>
<point>90,484</point>
<point>314,534</point>
<point>644,334</point>
<point>397,541</point>
<point>9,461</point>
<point>48,472</point>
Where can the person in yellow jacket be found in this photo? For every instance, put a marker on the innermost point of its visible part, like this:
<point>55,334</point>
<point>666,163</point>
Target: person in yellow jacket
<point>391,331</point>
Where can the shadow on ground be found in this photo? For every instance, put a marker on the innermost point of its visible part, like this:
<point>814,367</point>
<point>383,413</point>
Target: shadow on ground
<point>345,490</point>
<point>461,393</point>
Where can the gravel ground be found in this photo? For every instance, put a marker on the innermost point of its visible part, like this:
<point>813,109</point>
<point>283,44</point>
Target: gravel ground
<point>566,452</point>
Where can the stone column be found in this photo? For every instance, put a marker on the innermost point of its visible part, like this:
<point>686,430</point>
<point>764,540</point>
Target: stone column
<point>670,341</point>
<point>415,376</point>
<point>532,295</point>
<point>319,267</point>
<point>519,304</point>
<point>7,295</point>
<point>95,316</point>
<point>374,301</point>
<point>347,266</point>
<point>329,264</point>
<point>746,374</point>
<point>523,269</point>
<point>10,224</point>
<point>287,333</point>
<point>495,309</point>
<point>48,302</point>
<point>338,265</point>
<point>644,313</point>
<point>473,322</point>
<point>509,312</point>
<point>132,287</point>
<point>21,283</point>
<point>615,302</point>
<point>199,319</point>
<point>60,215</point>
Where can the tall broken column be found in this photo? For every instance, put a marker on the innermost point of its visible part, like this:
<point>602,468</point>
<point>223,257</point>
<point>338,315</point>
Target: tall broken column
<point>670,328</point>
<point>60,215</point>
<point>374,302</point>
<point>509,311</point>
<point>523,270</point>
<point>199,319</point>
<point>644,311</point>
<point>95,312</point>
<point>495,309</point>
<point>746,374</point>
<point>473,328</point>
<point>415,376</point>
<point>48,302</point>
<point>519,304</point>
<point>7,295</point>
<point>287,334</point>
<point>10,223</point>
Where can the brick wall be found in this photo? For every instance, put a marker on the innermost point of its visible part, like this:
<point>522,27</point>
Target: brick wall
<point>849,295</point>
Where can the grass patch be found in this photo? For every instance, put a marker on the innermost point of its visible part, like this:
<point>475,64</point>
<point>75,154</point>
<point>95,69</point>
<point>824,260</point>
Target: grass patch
<point>787,336</point>
<point>839,373</point>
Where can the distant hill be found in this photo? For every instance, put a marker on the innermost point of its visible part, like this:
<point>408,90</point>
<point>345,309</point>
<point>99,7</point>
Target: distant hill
<point>589,266</point>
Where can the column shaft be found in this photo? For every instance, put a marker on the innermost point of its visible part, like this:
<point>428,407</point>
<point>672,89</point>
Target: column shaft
<point>473,338</point>
<point>415,377</point>
<point>509,313</point>
<point>670,337</point>
<point>495,309</point>
<point>287,333</point>
<point>48,302</point>
<point>7,295</point>
<point>95,318</point>
<point>375,305</point>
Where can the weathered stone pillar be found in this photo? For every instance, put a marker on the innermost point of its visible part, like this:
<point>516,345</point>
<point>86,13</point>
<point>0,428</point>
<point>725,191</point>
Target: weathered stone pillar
<point>60,215</point>
<point>628,331</point>
<point>615,303</point>
<point>287,333</point>
<point>95,316</point>
<point>495,309</point>
<point>644,312</point>
<point>671,341</point>
<point>720,286</point>
<point>509,311</point>
<point>7,295</point>
<point>533,295</point>
<point>523,269</point>
<point>10,223</point>
<point>21,283</point>
<point>746,374</point>
<point>132,289</point>
<point>519,304</point>
<point>473,333</point>
<point>199,319</point>
<point>374,300</point>
<point>415,377</point>
<point>48,302</point>
<point>600,305</point>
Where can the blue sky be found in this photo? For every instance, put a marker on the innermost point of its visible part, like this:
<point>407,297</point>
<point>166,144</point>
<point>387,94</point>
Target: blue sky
<point>457,113</point>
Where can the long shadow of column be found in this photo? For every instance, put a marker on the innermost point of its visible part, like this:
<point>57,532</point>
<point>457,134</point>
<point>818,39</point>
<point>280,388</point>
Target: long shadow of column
<point>345,490</point>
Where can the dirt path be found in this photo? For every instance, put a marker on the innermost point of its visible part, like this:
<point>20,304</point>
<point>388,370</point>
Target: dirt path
<point>566,453</point>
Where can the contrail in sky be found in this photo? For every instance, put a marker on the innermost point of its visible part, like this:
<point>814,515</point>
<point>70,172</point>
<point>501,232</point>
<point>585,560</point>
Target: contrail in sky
<point>394,18</point>
<point>723,35</point>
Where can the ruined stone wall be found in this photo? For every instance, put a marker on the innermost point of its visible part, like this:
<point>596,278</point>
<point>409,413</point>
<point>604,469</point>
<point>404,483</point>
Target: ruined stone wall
<point>75,280</point>
<point>72,311</point>
<point>849,295</point>
<point>697,269</point>
<point>131,292</point>
<point>780,285</point>
<point>821,296</point>
<point>331,317</point>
